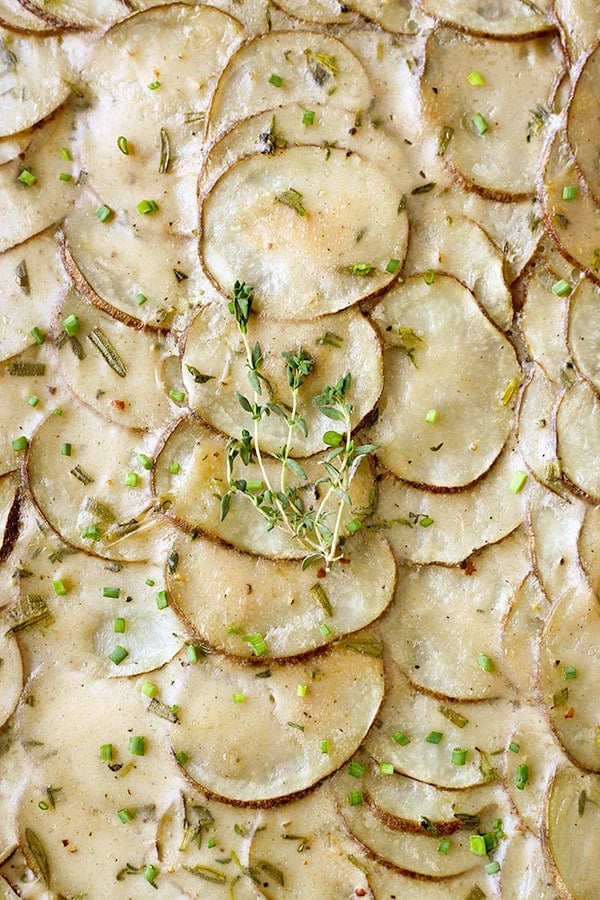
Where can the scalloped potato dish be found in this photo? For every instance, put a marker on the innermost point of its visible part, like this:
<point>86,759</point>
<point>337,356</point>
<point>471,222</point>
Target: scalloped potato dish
<point>300,449</point>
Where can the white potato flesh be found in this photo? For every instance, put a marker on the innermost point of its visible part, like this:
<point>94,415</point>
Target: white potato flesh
<point>295,226</point>
<point>444,619</point>
<point>578,23</point>
<point>390,884</point>
<point>137,398</point>
<point>397,16</point>
<point>195,491</point>
<point>521,629</point>
<point>10,502</point>
<point>427,371</point>
<point>322,12</point>
<point>463,521</point>
<point>583,110</point>
<point>589,542</point>
<point>505,18</point>
<point>125,517</point>
<point>16,17</point>
<point>216,589</point>
<point>503,161</point>
<point>184,47</point>
<point>543,320</point>
<point>11,673</point>
<point>574,224</point>
<point>584,331</point>
<point>578,438</point>
<point>459,247</point>
<point>524,871</point>
<point>215,370</point>
<point>570,641</point>
<point>571,831</point>
<point>537,436</point>
<point>309,64</point>
<point>80,13</point>
<point>264,757</point>
<point>16,772</point>
<point>42,204</point>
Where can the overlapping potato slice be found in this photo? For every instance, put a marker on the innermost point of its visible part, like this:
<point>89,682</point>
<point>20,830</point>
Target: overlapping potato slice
<point>507,18</point>
<point>495,144</point>
<point>16,771</point>
<point>79,13</point>
<point>537,436</point>
<point>571,831</point>
<point>574,224</point>
<point>116,266</point>
<point>444,620</point>
<point>453,379</point>
<point>225,596</point>
<point>15,16</point>
<point>11,673</point>
<point>314,68</point>
<point>43,203</point>
<point>578,23</point>
<point>275,750</point>
<point>521,628</point>
<point>555,524</point>
<point>582,111</point>
<point>83,495</point>
<point>194,491</point>
<point>322,12</point>
<point>463,521</point>
<point>10,503</point>
<point>524,870</point>
<point>569,663</point>
<point>215,371</point>
<point>295,227</point>
<point>588,546</point>
<point>34,280</point>
<point>543,321</point>
<point>112,369</point>
<point>391,883</point>
<point>584,331</point>
<point>578,438</point>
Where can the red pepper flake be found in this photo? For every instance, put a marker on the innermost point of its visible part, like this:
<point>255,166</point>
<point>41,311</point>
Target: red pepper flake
<point>570,713</point>
<point>321,573</point>
<point>119,404</point>
<point>51,390</point>
<point>468,567</point>
<point>360,892</point>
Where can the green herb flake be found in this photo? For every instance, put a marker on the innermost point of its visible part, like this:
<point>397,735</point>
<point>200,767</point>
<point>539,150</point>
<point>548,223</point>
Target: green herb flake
<point>293,199</point>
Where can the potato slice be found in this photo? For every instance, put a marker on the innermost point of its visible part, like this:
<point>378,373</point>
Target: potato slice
<point>588,546</point>
<point>584,331</point>
<point>37,206</point>
<point>568,817</point>
<point>194,491</point>
<point>80,14</point>
<point>543,320</point>
<point>288,225</point>
<point>569,663</point>
<point>11,674</point>
<point>578,24</point>
<point>425,371</point>
<point>225,596</point>
<point>34,280</point>
<point>215,371</point>
<point>537,436</point>
<point>83,496</point>
<point>309,64</point>
<point>322,12</point>
<point>583,109</point>
<point>10,505</point>
<point>15,17</point>
<point>507,18</point>
<point>521,629</point>
<point>497,154</point>
<point>574,224</point>
<point>578,438</point>
<point>444,620</point>
<point>463,521</point>
<point>275,750</point>
<point>391,883</point>
<point>524,870</point>
<point>113,369</point>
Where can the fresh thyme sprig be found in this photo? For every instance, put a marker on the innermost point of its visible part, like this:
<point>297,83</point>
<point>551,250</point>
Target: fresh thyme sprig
<point>316,528</point>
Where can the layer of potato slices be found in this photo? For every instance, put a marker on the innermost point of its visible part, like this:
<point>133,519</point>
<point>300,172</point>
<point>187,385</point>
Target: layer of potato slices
<point>584,108</point>
<point>507,18</point>
<point>584,331</point>
<point>577,447</point>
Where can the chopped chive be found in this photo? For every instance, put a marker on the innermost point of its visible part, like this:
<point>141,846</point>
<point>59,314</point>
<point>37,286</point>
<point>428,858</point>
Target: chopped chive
<point>569,192</point>
<point>392,265</point>
<point>354,525</point>
<point>362,269</point>
<point>517,482</point>
<point>434,737</point>
<point>131,479</point>
<point>137,745</point>
<point>20,443</point>
<point>308,117</point>
<point>324,629</point>
<point>522,776</point>
<point>301,690</point>
<point>118,654</point>
<point>431,416</point>
<point>257,642</point>
<point>103,213</point>
<point>475,78</point>
<point>477,845</point>
<point>140,299</point>
<point>238,698</point>
<point>146,462</point>
<point>149,689</point>
<point>192,654</point>
<point>426,521</point>
<point>37,335</point>
<point>498,830</point>
<point>65,176</point>
<point>33,400</point>
<point>296,725</point>
<point>150,873</point>
<point>275,80</point>
<point>106,753</point>
<point>324,745</point>
<point>514,747</point>
<point>174,468</point>
<point>481,126</point>
<point>386,768</point>
<point>125,815</point>
<point>150,582</point>
<point>355,798</point>
<point>177,396</point>
<point>569,673</point>
<point>561,288</point>
<point>71,324</point>
<point>65,449</point>
<point>113,592</point>
<point>459,756</point>
<point>27,177</point>
<point>355,769</point>
<point>119,626</point>
<point>399,737</point>
<point>91,533</point>
<point>182,757</point>
<point>492,868</point>
<point>57,411</point>
<point>154,85</point>
<point>59,588</point>
<point>145,207</point>
<point>444,846</point>
<point>211,842</point>
<point>123,145</point>
<point>162,600</point>
<point>429,276</point>
<point>66,154</point>
<point>43,804</point>
<point>485,662</point>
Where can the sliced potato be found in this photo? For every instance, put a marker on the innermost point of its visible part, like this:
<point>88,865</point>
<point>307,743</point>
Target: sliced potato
<point>522,626</point>
<point>583,110</point>
<point>322,12</point>
<point>389,884</point>
<point>194,492</point>
<point>309,64</point>
<point>578,24</point>
<point>10,504</point>
<point>537,436</point>
<point>507,18</point>
<point>275,750</point>
<point>524,869</point>
<point>543,320</point>
<point>569,663</point>
<point>588,546</point>
<point>215,371</point>
<point>289,225</point>
<point>584,331</point>
<point>425,372</point>
<point>16,771</point>
<point>496,144</point>
<point>445,620</point>
<point>463,521</point>
<point>226,595</point>
<point>397,16</point>
<point>578,438</point>
<point>79,14</point>
<point>16,17</point>
<point>11,674</point>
